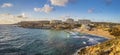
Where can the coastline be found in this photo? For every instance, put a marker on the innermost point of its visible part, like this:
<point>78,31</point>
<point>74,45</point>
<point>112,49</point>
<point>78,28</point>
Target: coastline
<point>95,33</point>
<point>78,30</point>
<point>77,51</point>
<point>98,32</point>
<point>110,47</point>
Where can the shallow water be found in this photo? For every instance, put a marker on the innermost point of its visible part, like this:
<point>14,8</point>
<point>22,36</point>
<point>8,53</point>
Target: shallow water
<point>23,41</point>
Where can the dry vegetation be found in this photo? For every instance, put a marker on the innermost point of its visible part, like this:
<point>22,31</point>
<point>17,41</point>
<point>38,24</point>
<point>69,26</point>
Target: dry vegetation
<point>110,47</point>
<point>47,25</point>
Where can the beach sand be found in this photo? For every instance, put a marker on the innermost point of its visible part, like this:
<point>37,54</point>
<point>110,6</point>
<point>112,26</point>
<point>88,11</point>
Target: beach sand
<point>97,32</point>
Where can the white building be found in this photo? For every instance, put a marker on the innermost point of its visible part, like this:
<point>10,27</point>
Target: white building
<point>84,21</point>
<point>56,21</point>
<point>70,20</point>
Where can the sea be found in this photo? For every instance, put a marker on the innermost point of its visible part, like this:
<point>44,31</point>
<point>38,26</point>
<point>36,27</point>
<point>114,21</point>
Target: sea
<point>25,41</point>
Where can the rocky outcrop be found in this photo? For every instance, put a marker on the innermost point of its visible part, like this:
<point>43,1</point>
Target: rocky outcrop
<point>110,47</point>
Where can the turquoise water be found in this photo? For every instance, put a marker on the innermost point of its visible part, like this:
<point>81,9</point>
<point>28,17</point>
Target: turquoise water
<point>23,41</point>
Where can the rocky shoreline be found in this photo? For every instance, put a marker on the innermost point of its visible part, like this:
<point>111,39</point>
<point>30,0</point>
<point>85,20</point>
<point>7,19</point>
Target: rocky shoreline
<point>109,45</point>
<point>77,52</point>
<point>64,26</point>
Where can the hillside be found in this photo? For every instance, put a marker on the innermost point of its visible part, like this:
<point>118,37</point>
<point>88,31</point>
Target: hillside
<point>110,47</point>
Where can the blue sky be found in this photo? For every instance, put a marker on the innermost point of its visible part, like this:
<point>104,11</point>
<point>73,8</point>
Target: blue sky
<point>95,10</point>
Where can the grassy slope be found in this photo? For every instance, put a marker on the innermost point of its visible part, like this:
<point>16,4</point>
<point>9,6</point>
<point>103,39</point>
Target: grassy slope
<point>110,47</point>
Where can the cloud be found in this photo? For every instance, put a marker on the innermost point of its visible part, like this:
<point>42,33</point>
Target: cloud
<point>47,9</point>
<point>91,10</point>
<point>23,14</point>
<point>6,5</point>
<point>59,2</point>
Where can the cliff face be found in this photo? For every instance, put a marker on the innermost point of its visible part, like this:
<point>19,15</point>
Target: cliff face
<point>110,47</point>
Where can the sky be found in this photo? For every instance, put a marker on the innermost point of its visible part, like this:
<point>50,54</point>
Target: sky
<point>95,10</point>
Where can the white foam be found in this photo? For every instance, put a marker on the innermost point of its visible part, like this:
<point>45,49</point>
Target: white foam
<point>76,36</point>
<point>84,43</point>
<point>93,41</point>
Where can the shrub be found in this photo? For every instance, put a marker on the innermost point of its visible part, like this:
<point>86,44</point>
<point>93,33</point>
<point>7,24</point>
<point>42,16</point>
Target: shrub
<point>114,31</point>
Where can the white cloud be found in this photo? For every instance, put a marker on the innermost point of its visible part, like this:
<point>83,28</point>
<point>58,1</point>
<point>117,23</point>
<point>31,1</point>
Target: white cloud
<point>59,2</point>
<point>91,10</point>
<point>37,9</point>
<point>46,9</point>
<point>7,5</point>
<point>24,14</point>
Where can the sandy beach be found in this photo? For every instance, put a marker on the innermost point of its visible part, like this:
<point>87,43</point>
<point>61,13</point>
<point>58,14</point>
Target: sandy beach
<point>97,32</point>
